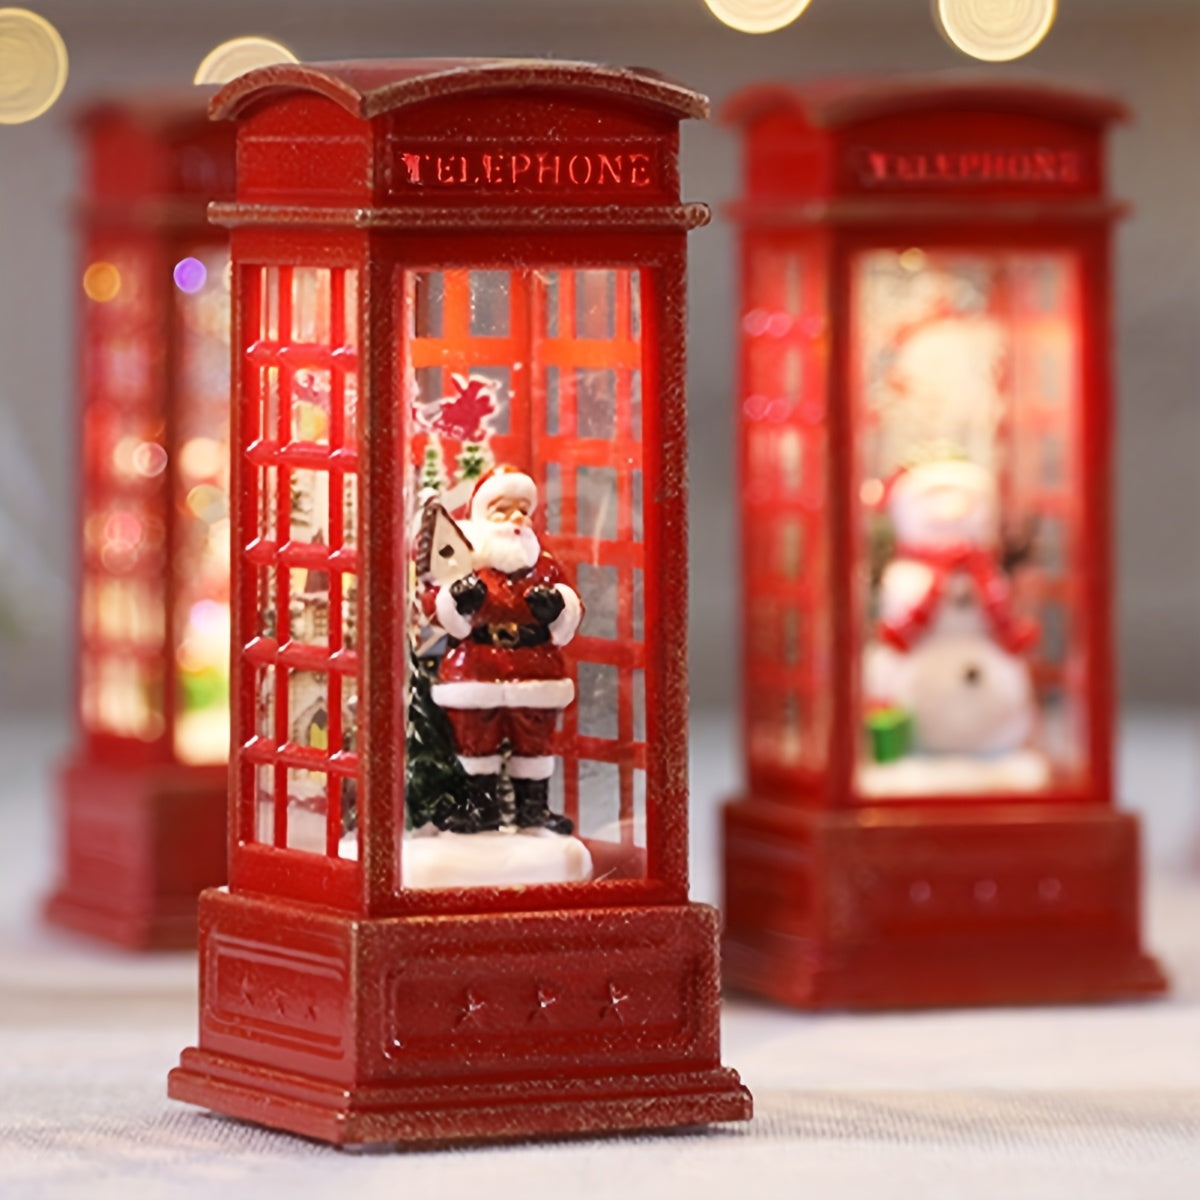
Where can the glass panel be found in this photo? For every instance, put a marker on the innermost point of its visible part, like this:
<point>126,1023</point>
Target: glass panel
<point>307,792</point>
<point>968,381</point>
<point>597,588</point>
<point>525,686</point>
<point>308,492</point>
<point>596,398</point>
<point>489,304</point>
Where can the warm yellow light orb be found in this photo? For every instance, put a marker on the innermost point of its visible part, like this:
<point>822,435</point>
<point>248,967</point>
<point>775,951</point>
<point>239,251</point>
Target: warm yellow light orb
<point>239,55</point>
<point>756,16</point>
<point>101,282</point>
<point>33,65</point>
<point>995,30</point>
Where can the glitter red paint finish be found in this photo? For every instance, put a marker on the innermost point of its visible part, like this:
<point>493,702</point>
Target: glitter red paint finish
<point>142,797</point>
<point>406,233</point>
<point>891,235</point>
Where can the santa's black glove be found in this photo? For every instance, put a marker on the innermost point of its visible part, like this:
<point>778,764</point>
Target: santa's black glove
<point>468,594</point>
<point>545,603</point>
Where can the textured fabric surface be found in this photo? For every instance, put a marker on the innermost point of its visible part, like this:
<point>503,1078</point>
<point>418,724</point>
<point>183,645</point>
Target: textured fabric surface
<point>1094,1102</point>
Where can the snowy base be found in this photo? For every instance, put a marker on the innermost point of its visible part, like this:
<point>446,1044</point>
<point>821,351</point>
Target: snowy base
<point>496,858</point>
<point>936,774</point>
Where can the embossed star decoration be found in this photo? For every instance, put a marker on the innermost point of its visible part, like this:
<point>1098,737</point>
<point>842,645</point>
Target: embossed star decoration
<point>616,997</point>
<point>472,1006</point>
<point>546,999</point>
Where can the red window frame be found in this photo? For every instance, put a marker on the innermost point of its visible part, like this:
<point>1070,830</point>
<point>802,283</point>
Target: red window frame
<point>269,554</point>
<point>783,472</point>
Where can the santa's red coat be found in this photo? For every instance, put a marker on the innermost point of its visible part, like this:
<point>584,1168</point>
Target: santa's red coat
<point>490,674</point>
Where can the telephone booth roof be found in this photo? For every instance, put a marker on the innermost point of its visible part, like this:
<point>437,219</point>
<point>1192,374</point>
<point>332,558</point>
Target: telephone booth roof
<point>834,103</point>
<point>933,147</point>
<point>370,88</point>
<point>160,113</point>
<point>399,143</point>
<point>154,158</point>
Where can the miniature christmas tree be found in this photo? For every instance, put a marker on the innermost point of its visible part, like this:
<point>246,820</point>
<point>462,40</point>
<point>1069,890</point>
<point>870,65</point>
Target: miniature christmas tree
<point>432,769</point>
<point>474,460</point>
<point>431,469</point>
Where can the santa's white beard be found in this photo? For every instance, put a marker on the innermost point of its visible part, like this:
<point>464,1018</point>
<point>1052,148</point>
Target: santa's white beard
<point>507,548</point>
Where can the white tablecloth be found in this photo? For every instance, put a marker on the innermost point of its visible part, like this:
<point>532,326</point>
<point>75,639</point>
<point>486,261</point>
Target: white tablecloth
<point>1085,1103</point>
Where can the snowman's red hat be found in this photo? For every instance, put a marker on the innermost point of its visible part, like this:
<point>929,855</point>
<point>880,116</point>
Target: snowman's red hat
<point>503,480</point>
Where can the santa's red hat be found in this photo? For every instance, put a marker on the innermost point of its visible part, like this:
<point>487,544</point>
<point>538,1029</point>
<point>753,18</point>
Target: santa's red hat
<point>502,480</point>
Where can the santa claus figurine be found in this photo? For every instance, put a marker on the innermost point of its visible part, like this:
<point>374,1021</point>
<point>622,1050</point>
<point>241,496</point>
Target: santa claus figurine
<point>951,649</point>
<point>504,681</point>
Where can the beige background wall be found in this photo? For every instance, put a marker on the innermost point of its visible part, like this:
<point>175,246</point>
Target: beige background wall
<point>1147,51</point>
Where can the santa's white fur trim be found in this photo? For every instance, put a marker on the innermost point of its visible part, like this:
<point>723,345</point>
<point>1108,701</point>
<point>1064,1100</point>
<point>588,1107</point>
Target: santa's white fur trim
<point>529,767</point>
<point>482,764</point>
<point>520,693</point>
<point>502,483</point>
<point>562,628</point>
<point>449,618</point>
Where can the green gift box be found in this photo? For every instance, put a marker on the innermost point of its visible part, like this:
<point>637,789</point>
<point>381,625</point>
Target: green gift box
<point>890,730</point>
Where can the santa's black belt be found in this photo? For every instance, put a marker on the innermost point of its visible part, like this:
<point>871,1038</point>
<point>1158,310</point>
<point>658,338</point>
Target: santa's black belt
<point>509,635</point>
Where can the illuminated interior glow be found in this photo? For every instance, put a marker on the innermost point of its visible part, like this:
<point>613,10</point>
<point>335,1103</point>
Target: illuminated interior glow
<point>101,282</point>
<point>996,30</point>
<point>239,55</point>
<point>756,16</point>
<point>33,65</point>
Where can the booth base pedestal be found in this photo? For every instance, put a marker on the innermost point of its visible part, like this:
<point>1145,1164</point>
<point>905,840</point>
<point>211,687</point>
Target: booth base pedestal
<point>428,1030</point>
<point>139,845</point>
<point>920,906</point>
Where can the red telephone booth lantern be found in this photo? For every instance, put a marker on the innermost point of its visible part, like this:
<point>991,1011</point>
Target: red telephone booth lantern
<point>925,442</point>
<point>442,267</point>
<point>144,795</point>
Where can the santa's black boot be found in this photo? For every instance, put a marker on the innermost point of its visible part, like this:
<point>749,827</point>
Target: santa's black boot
<point>475,809</point>
<point>533,809</point>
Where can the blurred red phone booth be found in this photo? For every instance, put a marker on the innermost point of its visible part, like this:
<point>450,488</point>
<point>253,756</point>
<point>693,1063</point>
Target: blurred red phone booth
<point>143,797</point>
<point>925,446</point>
<point>458,905</point>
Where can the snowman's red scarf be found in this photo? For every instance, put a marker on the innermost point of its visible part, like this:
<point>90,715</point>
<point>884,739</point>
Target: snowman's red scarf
<point>995,597</point>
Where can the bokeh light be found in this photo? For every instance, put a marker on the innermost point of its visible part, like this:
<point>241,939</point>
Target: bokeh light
<point>101,282</point>
<point>239,55</point>
<point>149,459</point>
<point>995,30</point>
<point>33,65</point>
<point>756,16</point>
<point>201,457</point>
<point>190,275</point>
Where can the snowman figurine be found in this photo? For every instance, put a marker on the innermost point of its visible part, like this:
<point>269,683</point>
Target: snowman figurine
<point>950,650</point>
